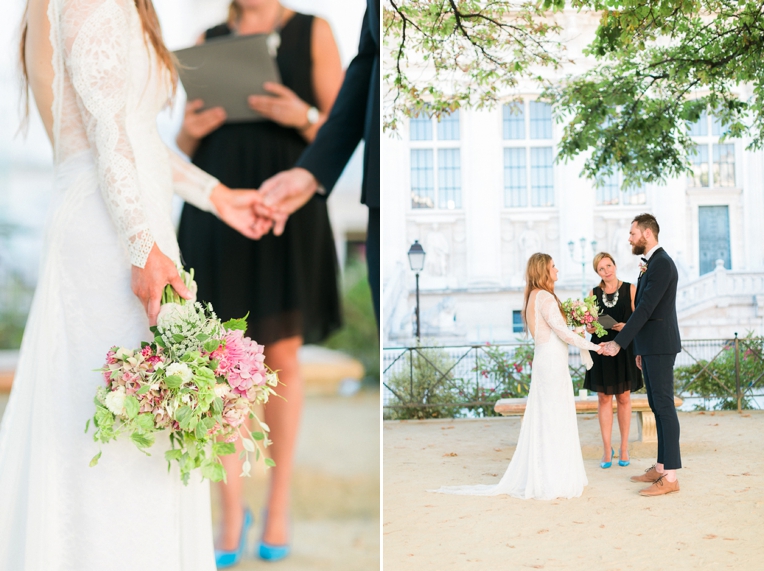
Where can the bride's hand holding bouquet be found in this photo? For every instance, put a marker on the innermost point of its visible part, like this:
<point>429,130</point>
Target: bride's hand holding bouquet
<point>199,378</point>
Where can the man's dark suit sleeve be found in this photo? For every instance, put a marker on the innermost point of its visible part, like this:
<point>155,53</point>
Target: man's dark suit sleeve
<point>335,142</point>
<point>654,290</point>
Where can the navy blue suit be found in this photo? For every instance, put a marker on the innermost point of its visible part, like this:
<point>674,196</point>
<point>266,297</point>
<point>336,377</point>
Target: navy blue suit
<point>655,331</point>
<point>355,116</point>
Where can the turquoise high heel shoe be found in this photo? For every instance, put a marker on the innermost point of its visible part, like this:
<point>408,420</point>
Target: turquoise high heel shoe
<point>268,552</point>
<point>624,462</point>
<point>273,552</point>
<point>608,464</point>
<point>225,559</point>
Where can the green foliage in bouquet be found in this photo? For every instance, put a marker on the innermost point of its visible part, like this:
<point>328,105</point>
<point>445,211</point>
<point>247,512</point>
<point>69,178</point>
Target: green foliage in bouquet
<point>578,314</point>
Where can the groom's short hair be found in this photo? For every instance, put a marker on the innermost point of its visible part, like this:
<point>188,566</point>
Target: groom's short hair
<point>645,221</point>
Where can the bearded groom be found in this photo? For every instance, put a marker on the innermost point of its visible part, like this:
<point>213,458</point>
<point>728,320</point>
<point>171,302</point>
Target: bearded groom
<point>654,329</point>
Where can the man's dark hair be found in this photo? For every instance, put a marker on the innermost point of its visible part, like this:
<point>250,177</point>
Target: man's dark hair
<point>645,221</point>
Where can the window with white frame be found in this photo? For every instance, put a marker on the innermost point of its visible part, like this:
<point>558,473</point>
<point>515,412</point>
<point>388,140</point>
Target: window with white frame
<point>436,172</point>
<point>713,163</point>
<point>528,154</point>
<point>610,193</point>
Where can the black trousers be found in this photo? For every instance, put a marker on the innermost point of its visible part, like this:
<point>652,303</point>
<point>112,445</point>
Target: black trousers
<point>372,258</point>
<point>658,371</point>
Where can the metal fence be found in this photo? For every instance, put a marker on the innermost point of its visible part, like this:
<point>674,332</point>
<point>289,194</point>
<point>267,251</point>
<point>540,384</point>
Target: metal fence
<point>432,381</point>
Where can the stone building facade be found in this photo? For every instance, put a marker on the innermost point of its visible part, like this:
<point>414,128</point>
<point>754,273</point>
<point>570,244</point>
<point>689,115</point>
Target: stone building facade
<point>481,191</point>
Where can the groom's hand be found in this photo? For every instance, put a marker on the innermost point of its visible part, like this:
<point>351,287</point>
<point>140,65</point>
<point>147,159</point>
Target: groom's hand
<point>149,281</point>
<point>612,348</point>
<point>286,192</point>
<point>243,210</point>
<point>639,362</point>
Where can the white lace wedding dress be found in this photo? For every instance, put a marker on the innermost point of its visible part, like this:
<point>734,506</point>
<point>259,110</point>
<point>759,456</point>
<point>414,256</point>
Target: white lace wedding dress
<point>547,463</point>
<point>114,181</point>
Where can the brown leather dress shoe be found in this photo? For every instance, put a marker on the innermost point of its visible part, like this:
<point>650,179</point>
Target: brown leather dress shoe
<point>660,487</point>
<point>650,475</point>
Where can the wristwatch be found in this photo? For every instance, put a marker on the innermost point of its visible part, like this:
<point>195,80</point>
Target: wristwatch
<point>313,116</point>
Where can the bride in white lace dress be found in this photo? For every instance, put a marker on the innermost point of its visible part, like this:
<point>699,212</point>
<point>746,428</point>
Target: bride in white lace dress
<point>100,74</point>
<point>547,463</point>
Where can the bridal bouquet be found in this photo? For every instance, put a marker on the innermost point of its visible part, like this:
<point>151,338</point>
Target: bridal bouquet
<point>199,379</point>
<point>582,313</point>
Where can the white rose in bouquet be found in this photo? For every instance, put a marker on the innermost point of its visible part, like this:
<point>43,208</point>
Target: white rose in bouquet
<point>115,401</point>
<point>182,370</point>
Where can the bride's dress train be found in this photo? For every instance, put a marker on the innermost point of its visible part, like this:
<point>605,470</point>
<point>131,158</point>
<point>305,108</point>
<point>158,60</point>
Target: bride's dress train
<point>547,463</point>
<point>114,180</point>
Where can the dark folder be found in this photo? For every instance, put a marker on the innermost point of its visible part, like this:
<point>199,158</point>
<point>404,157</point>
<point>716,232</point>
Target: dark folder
<point>224,72</point>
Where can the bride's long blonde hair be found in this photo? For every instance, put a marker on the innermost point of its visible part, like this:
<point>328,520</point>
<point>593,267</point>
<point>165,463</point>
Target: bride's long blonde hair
<point>152,32</point>
<point>537,276</point>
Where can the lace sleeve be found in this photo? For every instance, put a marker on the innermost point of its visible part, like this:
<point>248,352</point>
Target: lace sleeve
<point>191,183</point>
<point>96,40</point>
<point>550,312</point>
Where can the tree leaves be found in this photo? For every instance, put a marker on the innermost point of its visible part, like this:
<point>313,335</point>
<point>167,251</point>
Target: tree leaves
<point>658,65</point>
<point>463,53</point>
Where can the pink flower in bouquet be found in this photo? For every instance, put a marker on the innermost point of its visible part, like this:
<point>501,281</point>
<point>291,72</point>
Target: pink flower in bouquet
<point>230,352</point>
<point>161,418</point>
<point>111,356</point>
<point>131,382</point>
<point>150,358</point>
<point>249,369</point>
<point>236,412</point>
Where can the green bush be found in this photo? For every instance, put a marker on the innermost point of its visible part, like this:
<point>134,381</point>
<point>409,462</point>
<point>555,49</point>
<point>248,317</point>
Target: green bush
<point>506,370</point>
<point>358,336</point>
<point>13,313</point>
<point>716,379</point>
<point>424,378</point>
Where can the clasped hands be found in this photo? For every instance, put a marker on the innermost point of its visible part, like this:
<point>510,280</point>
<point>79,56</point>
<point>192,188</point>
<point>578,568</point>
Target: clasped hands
<point>254,213</point>
<point>611,349</point>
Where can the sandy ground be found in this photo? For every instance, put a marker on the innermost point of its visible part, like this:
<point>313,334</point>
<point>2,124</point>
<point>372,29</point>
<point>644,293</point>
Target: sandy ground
<point>336,488</point>
<point>715,522</point>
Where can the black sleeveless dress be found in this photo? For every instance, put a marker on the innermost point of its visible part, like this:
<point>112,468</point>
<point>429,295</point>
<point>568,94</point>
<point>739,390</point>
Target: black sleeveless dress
<point>614,375</point>
<point>287,284</point>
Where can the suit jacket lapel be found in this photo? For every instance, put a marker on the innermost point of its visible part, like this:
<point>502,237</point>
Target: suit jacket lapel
<point>642,275</point>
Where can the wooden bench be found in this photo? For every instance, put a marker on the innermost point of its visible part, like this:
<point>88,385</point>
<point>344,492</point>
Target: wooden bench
<point>639,404</point>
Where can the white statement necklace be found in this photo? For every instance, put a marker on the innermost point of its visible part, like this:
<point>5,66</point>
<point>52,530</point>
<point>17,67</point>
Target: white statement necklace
<point>607,302</point>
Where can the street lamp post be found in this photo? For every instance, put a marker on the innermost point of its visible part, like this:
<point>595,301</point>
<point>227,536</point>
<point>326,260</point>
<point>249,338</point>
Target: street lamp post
<point>571,247</point>
<point>416,256</point>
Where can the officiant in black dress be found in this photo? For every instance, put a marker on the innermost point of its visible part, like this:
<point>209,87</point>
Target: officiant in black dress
<point>288,284</point>
<point>613,376</point>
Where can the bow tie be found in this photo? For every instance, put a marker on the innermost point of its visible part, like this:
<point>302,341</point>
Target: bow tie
<point>644,260</point>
